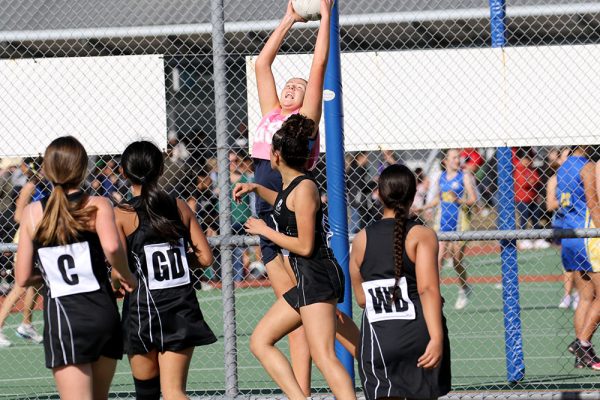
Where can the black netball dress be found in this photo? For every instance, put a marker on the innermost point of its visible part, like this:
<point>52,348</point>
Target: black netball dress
<point>81,319</point>
<point>163,312</point>
<point>319,277</point>
<point>394,336</point>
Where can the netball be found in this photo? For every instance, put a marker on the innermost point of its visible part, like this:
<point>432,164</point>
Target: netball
<point>308,9</point>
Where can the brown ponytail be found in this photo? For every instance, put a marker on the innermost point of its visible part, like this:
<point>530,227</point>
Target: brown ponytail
<point>399,233</point>
<point>65,166</point>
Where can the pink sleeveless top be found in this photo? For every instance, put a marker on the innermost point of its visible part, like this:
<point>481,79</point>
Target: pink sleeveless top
<point>268,125</point>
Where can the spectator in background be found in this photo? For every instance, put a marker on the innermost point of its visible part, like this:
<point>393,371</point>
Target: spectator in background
<point>179,176</point>
<point>8,192</point>
<point>570,296</point>
<point>389,158</point>
<point>553,159</point>
<point>456,193</point>
<point>360,191</point>
<point>113,186</point>
<point>240,212</point>
<point>576,193</point>
<point>207,204</point>
<point>35,189</point>
<point>252,258</point>
<point>177,151</point>
<point>488,183</point>
<point>212,168</point>
<point>527,185</point>
<point>471,160</point>
<point>421,196</point>
<point>8,168</point>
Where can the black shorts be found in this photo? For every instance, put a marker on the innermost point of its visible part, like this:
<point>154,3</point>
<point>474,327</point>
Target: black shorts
<point>317,280</point>
<point>268,249</point>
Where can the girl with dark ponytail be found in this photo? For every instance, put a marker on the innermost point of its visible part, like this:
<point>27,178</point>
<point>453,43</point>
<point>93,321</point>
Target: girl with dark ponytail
<point>71,234</point>
<point>298,216</point>
<point>404,350</point>
<point>162,321</point>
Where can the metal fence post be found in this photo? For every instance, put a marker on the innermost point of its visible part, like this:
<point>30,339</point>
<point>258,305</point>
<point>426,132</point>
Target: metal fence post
<point>220,85</point>
<point>515,365</point>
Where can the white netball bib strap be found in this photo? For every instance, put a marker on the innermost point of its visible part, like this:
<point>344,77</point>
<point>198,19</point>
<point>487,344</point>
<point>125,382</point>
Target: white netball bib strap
<point>68,269</point>
<point>167,265</point>
<point>379,305</point>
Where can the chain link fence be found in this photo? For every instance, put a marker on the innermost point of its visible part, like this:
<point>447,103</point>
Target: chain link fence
<point>419,77</point>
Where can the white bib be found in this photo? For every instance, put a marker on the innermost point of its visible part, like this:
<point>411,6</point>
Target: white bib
<point>378,300</point>
<point>167,265</point>
<point>68,269</point>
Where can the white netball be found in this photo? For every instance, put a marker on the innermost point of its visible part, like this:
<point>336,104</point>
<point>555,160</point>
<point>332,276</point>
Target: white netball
<point>310,10</point>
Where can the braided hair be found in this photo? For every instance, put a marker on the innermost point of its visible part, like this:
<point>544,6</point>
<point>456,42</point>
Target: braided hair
<point>397,189</point>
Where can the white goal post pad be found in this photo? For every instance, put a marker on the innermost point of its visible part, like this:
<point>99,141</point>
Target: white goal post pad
<point>105,102</point>
<point>483,97</point>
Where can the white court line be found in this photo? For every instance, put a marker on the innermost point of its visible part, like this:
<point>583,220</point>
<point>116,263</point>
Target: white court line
<point>127,373</point>
<point>244,294</point>
<point>14,326</point>
<point>529,256</point>
<point>37,346</point>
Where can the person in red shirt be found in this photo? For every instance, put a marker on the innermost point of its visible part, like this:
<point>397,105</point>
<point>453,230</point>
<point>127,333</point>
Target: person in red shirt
<point>527,182</point>
<point>471,160</point>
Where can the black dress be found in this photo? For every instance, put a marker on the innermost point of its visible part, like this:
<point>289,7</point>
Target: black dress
<point>319,277</point>
<point>81,319</point>
<point>394,336</point>
<point>163,312</point>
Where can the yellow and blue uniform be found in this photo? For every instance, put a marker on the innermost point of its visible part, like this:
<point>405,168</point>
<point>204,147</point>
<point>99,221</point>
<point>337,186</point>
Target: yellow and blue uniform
<point>452,217</point>
<point>577,253</point>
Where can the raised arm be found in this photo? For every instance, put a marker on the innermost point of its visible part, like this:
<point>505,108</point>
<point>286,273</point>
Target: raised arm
<point>313,99</point>
<point>267,91</point>
<point>203,251</point>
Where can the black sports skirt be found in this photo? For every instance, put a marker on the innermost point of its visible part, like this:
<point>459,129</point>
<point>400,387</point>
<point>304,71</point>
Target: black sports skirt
<point>163,319</point>
<point>387,358</point>
<point>317,280</point>
<point>80,328</point>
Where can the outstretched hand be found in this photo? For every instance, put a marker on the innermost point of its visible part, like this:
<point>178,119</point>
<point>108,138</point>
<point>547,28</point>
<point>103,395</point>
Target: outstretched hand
<point>240,189</point>
<point>290,12</point>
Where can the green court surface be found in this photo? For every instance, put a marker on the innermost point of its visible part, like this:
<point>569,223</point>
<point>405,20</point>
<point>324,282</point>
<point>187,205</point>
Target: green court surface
<point>476,334</point>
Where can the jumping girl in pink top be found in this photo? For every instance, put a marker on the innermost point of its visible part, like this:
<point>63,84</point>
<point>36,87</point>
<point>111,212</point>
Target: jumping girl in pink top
<point>304,97</point>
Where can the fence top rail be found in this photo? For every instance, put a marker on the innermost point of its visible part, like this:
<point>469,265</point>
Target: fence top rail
<point>244,241</point>
<point>246,26</point>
